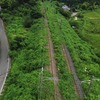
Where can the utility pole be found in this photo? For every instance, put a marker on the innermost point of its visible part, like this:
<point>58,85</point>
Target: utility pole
<point>40,85</point>
<point>42,82</point>
<point>91,81</point>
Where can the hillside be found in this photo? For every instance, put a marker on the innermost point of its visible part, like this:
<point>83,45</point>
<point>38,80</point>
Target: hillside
<point>51,60</point>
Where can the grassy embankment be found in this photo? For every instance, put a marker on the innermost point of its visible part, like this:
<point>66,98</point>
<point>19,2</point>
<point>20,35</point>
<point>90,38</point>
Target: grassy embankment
<point>91,29</point>
<point>85,60</point>
<point>29,54</point>
<point>88,28</point>
<point>66,83</point>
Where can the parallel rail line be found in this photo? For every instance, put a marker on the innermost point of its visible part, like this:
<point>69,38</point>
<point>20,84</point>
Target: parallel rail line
<point>77,82</point>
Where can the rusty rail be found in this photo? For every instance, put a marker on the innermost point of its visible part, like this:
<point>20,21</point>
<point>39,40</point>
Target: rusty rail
<point>77,82</point>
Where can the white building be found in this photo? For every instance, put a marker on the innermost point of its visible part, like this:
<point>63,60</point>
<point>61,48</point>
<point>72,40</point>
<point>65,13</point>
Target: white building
<point>65,7</point>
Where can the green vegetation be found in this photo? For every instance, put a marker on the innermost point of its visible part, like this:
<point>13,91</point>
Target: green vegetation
<point>84,58</point>
<point>82,4</point>
<point>65,13</point>
<point>66,83</point>
<point>88,28</point>
<point>27,36</point>
<point>29,54</point>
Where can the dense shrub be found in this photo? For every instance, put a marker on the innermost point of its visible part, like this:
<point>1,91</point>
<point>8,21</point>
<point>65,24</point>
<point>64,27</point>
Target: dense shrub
<point>85,5</point>
<point>28,22</point>
<point>80,15</point>
<point>29,54</point>
<point>17,43</point>
<point>65,13</point>
<point>36,14</point>
<point>74,23</point>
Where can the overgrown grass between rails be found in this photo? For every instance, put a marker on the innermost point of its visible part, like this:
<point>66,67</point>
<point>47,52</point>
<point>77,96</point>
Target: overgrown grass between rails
<point>84,58</point>
<point>66,83</point>
<point>29,54</point>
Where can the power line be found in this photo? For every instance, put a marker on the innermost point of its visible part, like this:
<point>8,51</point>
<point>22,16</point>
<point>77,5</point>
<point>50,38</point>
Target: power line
<point>42,83</point>
<point>90,80</point>
<point>90,86</point>
<point>91,83</point>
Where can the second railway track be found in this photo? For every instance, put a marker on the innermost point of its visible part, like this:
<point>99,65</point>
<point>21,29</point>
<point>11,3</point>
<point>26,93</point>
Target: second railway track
<point>52,66</point>
<point>77,83</point>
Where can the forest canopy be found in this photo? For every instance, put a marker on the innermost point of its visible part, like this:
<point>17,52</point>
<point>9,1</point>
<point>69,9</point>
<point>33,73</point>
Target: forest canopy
<point>14,3</point>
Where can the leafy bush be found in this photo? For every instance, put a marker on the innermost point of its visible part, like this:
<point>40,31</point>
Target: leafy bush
<point>28,22</point>
<point>28,51</point>
<point>74,23</point>
<point>85,5</point>
<point>65,13</point>
<point>83,55</point>
<point>80,15</point>
<point>36,14</point>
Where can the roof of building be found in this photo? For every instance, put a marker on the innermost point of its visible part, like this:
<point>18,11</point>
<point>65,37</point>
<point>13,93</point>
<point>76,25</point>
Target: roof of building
<point>65,7</point>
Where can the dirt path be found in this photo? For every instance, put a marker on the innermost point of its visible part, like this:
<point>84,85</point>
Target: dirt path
<point>77,86</point>
<point>52,67</point>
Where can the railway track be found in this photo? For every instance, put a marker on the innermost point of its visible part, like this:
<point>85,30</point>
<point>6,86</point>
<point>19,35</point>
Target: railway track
<point>52,68</point>
<point>77,83</point>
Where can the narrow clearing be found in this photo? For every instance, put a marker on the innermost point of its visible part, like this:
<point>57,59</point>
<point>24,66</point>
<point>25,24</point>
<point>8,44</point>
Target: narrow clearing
<point>77,86</point>
<point>52,66</point>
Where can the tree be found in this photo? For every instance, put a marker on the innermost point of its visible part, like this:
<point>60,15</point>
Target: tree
<point>7,3</point>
